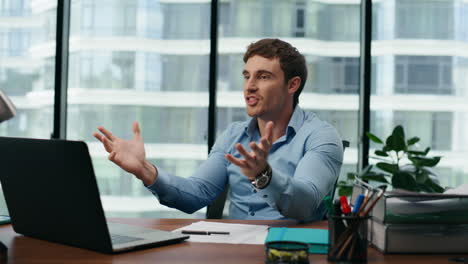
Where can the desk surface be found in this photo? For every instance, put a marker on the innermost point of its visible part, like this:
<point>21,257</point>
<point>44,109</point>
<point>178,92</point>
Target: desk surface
<point>23,249</point>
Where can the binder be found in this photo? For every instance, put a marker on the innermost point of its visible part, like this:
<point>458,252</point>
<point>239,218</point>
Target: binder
<point>316,238</point>
<point>403,207</point>
<point>419,238</point>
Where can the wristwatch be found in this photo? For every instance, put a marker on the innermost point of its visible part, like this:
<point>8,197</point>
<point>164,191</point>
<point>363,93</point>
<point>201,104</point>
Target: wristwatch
<point>263,178</point>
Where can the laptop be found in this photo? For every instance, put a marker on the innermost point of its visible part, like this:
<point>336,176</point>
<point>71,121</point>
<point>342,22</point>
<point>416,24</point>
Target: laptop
<point>52,194</point>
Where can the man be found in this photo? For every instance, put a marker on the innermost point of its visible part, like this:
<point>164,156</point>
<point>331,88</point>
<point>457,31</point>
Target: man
<point>279,165</point>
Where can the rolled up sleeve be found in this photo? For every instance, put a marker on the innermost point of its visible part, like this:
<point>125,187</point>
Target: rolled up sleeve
<point>299,196</point>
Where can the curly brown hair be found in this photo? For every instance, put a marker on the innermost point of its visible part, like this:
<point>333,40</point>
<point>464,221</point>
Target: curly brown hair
<point>292,62</point>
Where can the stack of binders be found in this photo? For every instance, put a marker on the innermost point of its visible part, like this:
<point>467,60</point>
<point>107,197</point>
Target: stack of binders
<point>408,222</point>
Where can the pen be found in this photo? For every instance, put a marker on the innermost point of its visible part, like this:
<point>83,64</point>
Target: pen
<point>199,232</point>
<point>367,197</point>
<point>358,203</point>
<point>373,203</point>
<point>344,205</point>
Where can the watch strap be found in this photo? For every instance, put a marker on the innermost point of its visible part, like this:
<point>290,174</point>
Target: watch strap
<point>263,179</point>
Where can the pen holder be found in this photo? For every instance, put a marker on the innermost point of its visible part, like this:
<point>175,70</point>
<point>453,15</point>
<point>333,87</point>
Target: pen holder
<point>347,236</point>
<point>286,252</point>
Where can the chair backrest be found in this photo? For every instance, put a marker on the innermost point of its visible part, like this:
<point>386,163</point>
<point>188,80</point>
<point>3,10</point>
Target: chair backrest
<point>345,145</point>
<point>332,194</point>
<point>215,210</point>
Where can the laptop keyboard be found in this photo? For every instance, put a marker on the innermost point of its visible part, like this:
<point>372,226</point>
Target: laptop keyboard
<point>119,239</point>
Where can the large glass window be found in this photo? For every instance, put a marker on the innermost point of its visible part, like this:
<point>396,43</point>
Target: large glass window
<point>186,21</point>
<point>14,8</point>
<point>22,31</point>
<point>424,19</point>
<point>327,33</point>
<point>97,18</point>
<point>434,128</point>
<point>144,61</point>
<point>330,21</point>
<point>103,70</point>
<point>256,19</point>
<point>148,61</point>
<point>423,74</point>
<point>185,72</point>
<point>423,87</point>
<point>333,75</point>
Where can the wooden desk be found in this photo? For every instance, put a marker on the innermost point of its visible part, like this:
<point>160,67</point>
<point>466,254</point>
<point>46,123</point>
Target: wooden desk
<point>23,249</point>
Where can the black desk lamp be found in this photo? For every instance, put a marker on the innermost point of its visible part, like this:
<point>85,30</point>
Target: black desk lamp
<point>7,111</point>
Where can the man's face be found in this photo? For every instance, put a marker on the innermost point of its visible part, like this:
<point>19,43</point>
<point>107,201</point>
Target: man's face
<point>265,91</point>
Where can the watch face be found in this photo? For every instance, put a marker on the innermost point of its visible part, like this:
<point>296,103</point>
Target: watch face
<point>261,181</point>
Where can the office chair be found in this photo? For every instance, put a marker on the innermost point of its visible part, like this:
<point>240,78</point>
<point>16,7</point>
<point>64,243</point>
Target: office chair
<point>7,111</point>
<point>215,210</point>
<point>345,145</point>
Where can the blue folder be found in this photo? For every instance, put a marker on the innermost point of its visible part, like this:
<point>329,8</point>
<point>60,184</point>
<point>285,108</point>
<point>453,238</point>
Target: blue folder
<point>316,238</point>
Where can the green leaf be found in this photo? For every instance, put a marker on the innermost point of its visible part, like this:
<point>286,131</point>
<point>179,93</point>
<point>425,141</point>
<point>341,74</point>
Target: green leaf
<point>381,153</point>
<point>351,175</point>
<point>346,191</point>
<point>396,141</point>
<point>366,170</point>
<point>425,161</point>
<point>374,138</point>
<point>437,188</point>
<point>388,167</point>
<point>415,161</point>
<point>427,150</point>
<point>399,132</point>
<point>413,141</point>
<point>404,180</point>
<point>378,177</point>
<point>422,176</point>
<point>417,153</point>
<point>422,187</point>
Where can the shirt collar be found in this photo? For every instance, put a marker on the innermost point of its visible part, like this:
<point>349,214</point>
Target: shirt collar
<point>251,127</point>
<point>296,121</point>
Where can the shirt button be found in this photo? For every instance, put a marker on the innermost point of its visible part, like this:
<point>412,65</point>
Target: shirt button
<point>255,191</point>
<point>265,196</point>
<point>252,213</point>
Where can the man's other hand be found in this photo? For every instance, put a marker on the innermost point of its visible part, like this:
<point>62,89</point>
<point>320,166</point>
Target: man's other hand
<point>255,161</point>
<point>128,154</point>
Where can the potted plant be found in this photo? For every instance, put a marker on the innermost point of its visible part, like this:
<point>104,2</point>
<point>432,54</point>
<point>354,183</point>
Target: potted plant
<point>399,165</point>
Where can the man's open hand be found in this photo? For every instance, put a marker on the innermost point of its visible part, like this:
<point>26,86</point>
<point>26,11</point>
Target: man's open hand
<point>128,154</point>
<point>255,161</point>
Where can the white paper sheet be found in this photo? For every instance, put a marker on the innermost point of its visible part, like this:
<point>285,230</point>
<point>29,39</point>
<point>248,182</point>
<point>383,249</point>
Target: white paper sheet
<point>462,189</point>
<point>238,233</point>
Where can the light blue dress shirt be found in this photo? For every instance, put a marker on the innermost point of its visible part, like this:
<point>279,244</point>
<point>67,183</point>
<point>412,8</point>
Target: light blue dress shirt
<point>305,162</point>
